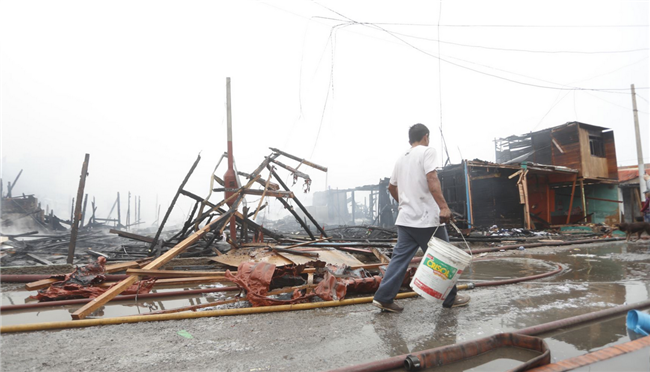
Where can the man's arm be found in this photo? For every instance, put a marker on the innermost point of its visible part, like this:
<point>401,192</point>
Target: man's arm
<point>436,191</point>
<point>392,189</point>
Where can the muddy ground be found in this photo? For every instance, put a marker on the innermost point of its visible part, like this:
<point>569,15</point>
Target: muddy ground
<point>595,277</point>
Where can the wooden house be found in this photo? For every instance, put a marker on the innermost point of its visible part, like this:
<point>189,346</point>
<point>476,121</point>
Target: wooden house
<point>561,175</point>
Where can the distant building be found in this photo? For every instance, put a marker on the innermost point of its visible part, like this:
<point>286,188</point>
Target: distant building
<point>368,204</point>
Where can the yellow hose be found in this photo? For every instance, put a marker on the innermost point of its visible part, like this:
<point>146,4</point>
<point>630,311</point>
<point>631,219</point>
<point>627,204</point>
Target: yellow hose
<point>187,315</point>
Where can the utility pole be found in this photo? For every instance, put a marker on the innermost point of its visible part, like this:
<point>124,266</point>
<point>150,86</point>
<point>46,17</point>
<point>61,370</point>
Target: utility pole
<point>639,150</point>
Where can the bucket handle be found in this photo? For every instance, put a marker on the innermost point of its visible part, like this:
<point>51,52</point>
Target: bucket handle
<point>461,235</point>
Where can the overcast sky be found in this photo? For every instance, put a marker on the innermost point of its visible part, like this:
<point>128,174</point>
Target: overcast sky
<point>140,85</point>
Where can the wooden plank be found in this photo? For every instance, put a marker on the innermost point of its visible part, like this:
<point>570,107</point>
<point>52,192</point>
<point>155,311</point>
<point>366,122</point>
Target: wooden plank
<point>130,235</point>
<point>380,256</point>
<point>40,284</point>
<point>122,266</point>
<point>155,264</point>
<point>178,281</point>
<point>40,259</point>
<point>277,194</point>
<point>173,273</point>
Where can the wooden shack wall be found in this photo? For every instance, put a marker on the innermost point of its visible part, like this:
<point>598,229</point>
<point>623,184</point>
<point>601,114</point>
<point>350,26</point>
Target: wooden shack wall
<point>495,198</point>
<point>591,166</point>
<point>542,144</point>
<point>568,139</point>
<point>610,154</point>
<point>452,181</point>
<point>540,198</point>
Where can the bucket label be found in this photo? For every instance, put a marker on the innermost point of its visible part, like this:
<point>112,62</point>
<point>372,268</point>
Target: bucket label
<point>428,290</point>
<point>443,270</point>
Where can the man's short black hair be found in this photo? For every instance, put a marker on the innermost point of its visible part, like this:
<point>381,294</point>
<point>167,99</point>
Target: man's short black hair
<point>417,132</point>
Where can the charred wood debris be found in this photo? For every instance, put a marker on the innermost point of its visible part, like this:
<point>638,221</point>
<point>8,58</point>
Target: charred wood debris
<point>318,261</point>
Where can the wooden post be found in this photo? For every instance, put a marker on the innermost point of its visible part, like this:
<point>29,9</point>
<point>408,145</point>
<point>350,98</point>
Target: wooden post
<point>128,211</point>
<point>83,212</point>
<point>354,207</point>
<point>573,191</point>
<point>92,218</point>
<point>75,224</point>
<point>11,185</point>
<point>548,201</point>
<point>584,200</point>
<point>469,199</point>
<point>119,214</point>
<point>527,204</point>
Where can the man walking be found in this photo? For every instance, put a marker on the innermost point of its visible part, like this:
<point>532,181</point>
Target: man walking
<point>423,211</point>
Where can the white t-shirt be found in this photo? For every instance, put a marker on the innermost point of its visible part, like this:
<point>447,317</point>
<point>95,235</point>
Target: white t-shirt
<point>417,208</point>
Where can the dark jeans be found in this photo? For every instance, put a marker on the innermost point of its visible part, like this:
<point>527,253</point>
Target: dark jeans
<point>409,239</point>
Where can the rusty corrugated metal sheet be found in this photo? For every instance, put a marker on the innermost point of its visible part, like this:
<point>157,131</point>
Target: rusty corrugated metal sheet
<point>631,172</point>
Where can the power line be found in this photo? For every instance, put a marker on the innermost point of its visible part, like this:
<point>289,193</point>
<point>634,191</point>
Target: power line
<point>506,26</point>
<point>616,104</point>
<point>523,50</point>
<point>610,72</point>
<point>638,95</point>
<point>330,87</point>
<point>607,90</point>
<point>557,101</point>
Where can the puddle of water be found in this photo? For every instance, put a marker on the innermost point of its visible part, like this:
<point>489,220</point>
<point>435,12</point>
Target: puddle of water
<point>121,308</point>
<point>501,359</point>
<point>505,268</point>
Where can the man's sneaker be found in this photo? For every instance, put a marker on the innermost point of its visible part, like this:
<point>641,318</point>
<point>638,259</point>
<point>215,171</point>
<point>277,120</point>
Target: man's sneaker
<point>392,307</point>
<point>461,300</point>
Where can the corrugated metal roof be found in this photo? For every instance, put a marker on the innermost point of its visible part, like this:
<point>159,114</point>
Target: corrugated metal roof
<point>630,172</point>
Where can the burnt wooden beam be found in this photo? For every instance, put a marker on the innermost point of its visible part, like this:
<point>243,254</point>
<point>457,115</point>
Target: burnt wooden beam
<point>297,217</point>
<point>261,181</point>
<point>171,206</point>
<point>83,212</point>
<point>119,215</point>
<point>75,224</point>
<point>302,207</point>
<point>292,170</point>
<point>13,184</point>
<point>155,264</point>
<point>302,161</point>
<point>277,194</point>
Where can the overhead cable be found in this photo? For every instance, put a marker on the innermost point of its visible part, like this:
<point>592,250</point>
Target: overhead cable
<point>607,90</point>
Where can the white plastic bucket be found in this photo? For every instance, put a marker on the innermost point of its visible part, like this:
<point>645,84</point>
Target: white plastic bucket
<point>440,268</point>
